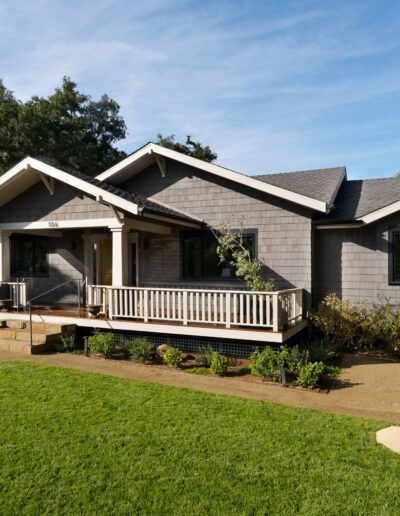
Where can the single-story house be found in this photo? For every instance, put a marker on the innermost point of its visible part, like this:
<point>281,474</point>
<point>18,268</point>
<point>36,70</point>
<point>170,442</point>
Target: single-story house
<point>135,240</point>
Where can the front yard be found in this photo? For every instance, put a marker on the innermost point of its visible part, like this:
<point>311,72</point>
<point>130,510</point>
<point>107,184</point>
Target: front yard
<point>80,443</point>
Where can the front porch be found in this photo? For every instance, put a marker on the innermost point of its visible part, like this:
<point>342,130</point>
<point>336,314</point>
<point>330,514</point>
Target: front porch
<point>227,314</point>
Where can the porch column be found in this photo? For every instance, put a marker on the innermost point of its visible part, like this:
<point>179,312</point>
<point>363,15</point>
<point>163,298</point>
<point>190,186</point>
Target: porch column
<point>119,256</point>
<point>4,255</point>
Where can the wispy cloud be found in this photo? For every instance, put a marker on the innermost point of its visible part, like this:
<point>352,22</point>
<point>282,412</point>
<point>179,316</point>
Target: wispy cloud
<point>269,86</point>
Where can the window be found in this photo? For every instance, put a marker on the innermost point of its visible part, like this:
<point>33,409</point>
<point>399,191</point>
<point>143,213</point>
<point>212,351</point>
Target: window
<point>200,259</point>
<point>394,263</point>
<point>28,256</point>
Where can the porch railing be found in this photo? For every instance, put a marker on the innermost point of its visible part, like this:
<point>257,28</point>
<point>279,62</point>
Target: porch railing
<point>18,292</point>
<point>273,310</point>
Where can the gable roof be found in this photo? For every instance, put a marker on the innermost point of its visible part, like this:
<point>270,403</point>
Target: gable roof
<point>18,179</point>
<point>321,184</point>
<point>366,200</point>
<point>149,153</point>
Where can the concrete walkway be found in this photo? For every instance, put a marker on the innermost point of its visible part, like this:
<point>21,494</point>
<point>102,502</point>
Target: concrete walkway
<point>367,386</point>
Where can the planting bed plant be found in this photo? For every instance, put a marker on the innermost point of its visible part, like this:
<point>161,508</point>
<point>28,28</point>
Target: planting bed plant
<point>308,368</point>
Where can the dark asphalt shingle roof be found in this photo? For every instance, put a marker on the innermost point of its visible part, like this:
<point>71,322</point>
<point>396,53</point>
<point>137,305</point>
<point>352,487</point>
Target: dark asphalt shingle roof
<point>140,200</point>
<point>358,198</point>
<point>321,184</point>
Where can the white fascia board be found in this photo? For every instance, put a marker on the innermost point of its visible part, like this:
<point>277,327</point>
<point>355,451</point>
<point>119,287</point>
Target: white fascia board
<point>125,162</point>
<point>381,213</point>
<point>69,179</point>
<point>226,173</point>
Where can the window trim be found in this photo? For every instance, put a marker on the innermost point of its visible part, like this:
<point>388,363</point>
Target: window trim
<point>391,255</point>
<point>248,231</point>
<point>20,236</point>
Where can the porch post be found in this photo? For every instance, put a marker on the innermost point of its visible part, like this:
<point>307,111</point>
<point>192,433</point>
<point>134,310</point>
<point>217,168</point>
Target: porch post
<point>119,256</point>
<point>4,255</point>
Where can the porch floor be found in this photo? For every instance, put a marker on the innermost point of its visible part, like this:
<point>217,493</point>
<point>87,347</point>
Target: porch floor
<point>81,318</point>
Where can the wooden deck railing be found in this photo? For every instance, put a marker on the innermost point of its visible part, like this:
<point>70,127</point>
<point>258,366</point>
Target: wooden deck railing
<point>270,310</point>
<point>18,292</point>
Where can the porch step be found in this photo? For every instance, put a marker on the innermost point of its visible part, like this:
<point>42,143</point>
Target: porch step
<point>16,336</point>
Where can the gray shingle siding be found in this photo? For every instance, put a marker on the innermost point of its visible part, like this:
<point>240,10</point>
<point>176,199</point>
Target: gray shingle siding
<point>35,204</point>
<point>284,229</point>
<point>354,263</point>
<point>65,256</point>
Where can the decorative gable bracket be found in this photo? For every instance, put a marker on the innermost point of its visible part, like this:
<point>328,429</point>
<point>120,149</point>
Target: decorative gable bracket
<point>48,182</point>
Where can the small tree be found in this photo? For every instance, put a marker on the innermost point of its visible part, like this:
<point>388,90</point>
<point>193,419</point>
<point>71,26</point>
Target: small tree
<point>232,249</point>
<point>191,148</point>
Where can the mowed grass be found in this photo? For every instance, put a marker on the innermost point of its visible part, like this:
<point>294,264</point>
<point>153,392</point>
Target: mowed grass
<point>80,443</point>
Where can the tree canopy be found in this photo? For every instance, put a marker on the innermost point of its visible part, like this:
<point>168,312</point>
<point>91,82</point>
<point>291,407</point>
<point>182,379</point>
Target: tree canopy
<point>194,149</point>
<point>71,129</point>
<point>68,127</point>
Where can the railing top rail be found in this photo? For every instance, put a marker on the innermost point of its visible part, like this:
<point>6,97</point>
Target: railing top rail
<point>227,291</point>
<point>16,282</point>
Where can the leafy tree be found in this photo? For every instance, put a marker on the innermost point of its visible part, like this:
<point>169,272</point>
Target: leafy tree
<point>9,111</point>
<point>232,248</point>
<point>68,127</point>
<point>194,149</point>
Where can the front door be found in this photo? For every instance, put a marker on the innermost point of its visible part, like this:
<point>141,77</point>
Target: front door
<point>102,261</point>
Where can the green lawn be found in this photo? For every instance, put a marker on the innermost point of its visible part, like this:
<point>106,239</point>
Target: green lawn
<point>80,443</point>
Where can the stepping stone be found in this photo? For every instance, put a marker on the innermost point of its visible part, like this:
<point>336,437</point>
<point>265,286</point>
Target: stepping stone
<point>389,437</point>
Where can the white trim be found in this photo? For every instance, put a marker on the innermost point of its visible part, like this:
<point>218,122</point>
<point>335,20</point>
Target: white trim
<point>195,331</point>
<point>381,213</point>
<point>58,224</point>
<point>151,227</point>
<point>171,220</point>
<point>69,179</point>
<point>226,173</point>
<point>48,184</point>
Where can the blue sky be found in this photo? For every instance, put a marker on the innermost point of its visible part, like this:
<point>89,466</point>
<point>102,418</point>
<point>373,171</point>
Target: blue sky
<point>270,85</point>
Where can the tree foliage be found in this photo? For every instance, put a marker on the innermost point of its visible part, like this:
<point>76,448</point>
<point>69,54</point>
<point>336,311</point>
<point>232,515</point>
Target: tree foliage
<point>232,248</point>
<point>194,149</point>
<point>68,127</point>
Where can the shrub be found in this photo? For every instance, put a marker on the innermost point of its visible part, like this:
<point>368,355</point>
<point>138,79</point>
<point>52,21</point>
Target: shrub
<point>67,343</point>
<point>333,371</point>
<point>172,357</point>
<point>205,355</point>
<point>310,374</point>
<point>102,343</point>
<point>343,322</point>
<point>354,326</point>
<point>322,350</point>
<point>219,364</point>
<point>140,349</point>
<point>384,325</point>
<point>292,358</point>
<point>265,363</point>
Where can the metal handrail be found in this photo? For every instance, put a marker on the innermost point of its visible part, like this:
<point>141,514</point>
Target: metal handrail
<point>29,302</point>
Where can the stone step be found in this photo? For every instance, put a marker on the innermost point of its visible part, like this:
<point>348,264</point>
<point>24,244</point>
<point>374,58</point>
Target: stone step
<point>16,336</point>
<point>40,327</point>
<point>25,336</point>
<point>24,347</point>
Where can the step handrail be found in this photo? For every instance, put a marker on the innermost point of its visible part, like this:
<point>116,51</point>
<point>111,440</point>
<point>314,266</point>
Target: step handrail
<point>29,302</point>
